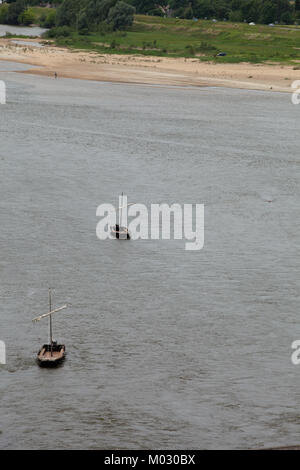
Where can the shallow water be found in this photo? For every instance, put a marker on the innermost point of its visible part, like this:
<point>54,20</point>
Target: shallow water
<point>9,66</point>
<point>166,348</point>
<point>28,43</point>
<point>21,30</point>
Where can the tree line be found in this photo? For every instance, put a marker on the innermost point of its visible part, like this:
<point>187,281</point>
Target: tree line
<point>258,11</point>
<point>80,15</point>
<point>92,15</point>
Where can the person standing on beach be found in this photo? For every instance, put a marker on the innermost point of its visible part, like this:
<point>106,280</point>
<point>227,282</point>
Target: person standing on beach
<point>55,75</point>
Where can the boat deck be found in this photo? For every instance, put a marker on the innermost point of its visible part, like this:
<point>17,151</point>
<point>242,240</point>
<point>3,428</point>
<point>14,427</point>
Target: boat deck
<point>46,355</point>
<point>58,353</point>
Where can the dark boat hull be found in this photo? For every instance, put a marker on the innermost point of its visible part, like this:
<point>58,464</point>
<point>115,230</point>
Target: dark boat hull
<point>121,233</point>
<point>53,363</point>
<point>122,236</point>
<point>51,357</point>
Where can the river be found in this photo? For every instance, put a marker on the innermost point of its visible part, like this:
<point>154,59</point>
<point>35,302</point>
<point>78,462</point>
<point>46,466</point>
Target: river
<point>167,348</point>
<point>21,30</point>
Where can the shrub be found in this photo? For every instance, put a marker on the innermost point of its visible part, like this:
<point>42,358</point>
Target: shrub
<point>206,47</point>
<point>190,49</point>
<point>82,24</point>
<point>156,12</point>
<point>60,31</point>
<point>236,16</point>
<point>27,17</point>
<point>3,13</point>
<point>50,19</point>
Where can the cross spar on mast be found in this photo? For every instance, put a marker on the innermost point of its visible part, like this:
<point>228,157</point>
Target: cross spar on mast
<point>49,313</point>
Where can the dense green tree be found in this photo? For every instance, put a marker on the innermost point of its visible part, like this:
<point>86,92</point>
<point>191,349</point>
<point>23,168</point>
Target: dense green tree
<point>83,26</point>
<point>14,11</point>
<point>3,14</point>
<point>145,6</point>
<point>68,12</point>
<point>236,16</point>
<point>95,15</point>
<point>121,15</point>
<point>286,17</point>
<point>188,13</point>
<point>97,10</point>
<point>27,17</point>
<point>268,12</point>
<point>50,19</point>
<point>204,9</point>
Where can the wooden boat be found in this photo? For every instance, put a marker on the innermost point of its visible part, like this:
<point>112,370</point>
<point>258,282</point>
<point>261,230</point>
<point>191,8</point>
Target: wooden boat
<point>120,231</point>
<point>51,354</point>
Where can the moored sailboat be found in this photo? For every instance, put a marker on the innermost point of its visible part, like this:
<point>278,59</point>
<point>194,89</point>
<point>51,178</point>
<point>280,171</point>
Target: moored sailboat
<point>120,231</point>
<point>51,354</point>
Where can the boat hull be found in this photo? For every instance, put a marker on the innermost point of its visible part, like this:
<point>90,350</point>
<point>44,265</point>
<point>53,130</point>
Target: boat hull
<point>120,233</point>
<point>51,357</point>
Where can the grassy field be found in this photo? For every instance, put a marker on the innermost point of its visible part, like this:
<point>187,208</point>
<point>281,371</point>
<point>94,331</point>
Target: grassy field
<point>152,35</point>
<point>201,39</point>
<point>39,11</point>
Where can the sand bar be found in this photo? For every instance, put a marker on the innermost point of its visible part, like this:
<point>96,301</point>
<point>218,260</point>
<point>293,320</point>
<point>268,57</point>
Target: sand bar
<point>147,70</point>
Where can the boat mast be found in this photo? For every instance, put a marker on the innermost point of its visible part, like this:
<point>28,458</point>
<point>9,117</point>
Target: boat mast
<point>50,321</point>
<point>120,213</point>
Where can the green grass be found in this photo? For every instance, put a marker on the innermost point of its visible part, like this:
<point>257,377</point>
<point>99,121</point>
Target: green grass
<point>173,37</point>
<point>19,36</point>
<point>38,11</point>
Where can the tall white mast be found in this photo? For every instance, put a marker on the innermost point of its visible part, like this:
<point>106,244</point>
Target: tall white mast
<point>50,320</point>
<point>121,212</point>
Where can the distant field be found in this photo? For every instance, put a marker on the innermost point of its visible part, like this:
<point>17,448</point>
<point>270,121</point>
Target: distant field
<point>151,35</point>
<point>203,39</point>
<point>38,11</point>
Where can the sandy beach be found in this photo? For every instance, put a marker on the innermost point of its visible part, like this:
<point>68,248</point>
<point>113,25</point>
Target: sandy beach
<point>147,70</point>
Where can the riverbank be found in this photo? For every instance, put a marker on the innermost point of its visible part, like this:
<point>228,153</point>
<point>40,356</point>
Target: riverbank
<point>147,70</point>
